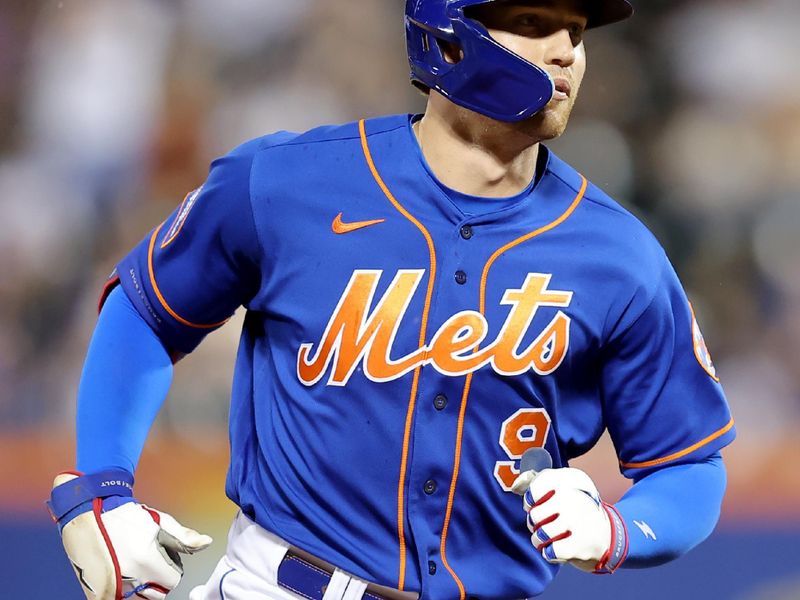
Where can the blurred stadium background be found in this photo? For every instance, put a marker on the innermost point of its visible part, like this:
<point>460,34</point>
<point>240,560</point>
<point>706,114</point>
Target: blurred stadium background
<point>110,111</point>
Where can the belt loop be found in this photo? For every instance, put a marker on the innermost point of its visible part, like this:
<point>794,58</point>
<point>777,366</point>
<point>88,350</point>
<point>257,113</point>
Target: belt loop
<point>355,589</point>
<point>337,586</point>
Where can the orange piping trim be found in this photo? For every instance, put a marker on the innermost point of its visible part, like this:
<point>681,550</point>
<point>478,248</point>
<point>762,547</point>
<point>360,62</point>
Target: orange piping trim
<point>682,453</point>
<point>527,237</point>
<point>468,381</point>
<point>161,299</point>
<point>422,333</point>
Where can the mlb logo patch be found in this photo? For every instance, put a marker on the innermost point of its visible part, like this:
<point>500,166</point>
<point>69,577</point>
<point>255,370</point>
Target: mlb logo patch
<point>183,212</point>
<point>701,350</point>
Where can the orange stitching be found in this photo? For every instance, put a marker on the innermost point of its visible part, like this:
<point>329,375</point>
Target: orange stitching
<point>161,299</point>
<point>422,333</point>
<point>451,495</point>
<point>468,381</point>
<point>681,453</point>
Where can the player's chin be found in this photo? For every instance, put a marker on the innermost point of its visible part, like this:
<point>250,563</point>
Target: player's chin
<point>548,124</point>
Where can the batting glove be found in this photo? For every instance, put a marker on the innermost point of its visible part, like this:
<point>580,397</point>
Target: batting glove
<point>570,523</point>
<point>118,547</point>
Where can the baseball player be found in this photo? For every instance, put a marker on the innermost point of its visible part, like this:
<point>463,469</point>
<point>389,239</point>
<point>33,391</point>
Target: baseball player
<point>441,313</point>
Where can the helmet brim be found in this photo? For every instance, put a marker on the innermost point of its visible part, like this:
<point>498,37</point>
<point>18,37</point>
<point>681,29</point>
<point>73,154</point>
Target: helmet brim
<point>606,12</point>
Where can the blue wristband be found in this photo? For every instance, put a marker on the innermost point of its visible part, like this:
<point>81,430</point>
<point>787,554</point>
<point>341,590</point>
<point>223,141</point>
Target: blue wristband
<point>74,497</point>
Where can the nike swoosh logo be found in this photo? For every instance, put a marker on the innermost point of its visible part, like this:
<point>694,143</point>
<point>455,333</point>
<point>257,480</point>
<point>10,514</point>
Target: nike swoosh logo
<point>338,226</point>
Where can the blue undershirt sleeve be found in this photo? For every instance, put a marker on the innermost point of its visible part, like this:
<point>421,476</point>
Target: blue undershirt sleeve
<point>125,380</point>
<point>672,510</point>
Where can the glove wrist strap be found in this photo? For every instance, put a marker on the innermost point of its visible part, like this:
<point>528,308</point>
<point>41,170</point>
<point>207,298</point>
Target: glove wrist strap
<point>65,498</point>
<point>618,549</point>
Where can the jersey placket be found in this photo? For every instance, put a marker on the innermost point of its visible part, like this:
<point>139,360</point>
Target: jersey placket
<point>436,422</point>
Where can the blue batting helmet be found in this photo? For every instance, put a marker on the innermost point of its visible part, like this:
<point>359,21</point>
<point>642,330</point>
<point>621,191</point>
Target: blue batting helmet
<point>489,79</point>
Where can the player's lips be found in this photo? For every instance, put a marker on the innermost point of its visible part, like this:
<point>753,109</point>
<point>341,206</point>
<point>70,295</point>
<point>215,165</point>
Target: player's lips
<point>563,88</point>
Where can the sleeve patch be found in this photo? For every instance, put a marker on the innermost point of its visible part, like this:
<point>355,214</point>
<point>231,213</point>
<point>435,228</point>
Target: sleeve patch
<point>701,350</point>
<point>183,212</point>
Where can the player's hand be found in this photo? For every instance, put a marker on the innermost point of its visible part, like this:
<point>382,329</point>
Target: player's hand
<point>570,523</point>
<point>118,547</point>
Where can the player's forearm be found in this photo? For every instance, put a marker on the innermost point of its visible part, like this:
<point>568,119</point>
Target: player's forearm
<point>125,379</point>
<point>672,510</point>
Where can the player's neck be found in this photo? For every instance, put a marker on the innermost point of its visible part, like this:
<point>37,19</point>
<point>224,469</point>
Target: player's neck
<point>475,156</point>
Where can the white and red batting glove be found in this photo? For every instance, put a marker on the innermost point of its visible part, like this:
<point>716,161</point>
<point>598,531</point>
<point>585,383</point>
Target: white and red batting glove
<point>569,522</point>
<point>118,547</point>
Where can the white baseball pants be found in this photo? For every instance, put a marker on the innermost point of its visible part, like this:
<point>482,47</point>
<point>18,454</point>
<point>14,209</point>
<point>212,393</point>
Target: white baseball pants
<point>249,570</point>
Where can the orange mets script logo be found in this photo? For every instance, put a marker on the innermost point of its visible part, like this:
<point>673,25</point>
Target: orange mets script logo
<point>354,335</point>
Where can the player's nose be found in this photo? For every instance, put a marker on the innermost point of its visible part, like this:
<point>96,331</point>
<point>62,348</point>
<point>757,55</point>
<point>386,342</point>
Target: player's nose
<point>560,50</point>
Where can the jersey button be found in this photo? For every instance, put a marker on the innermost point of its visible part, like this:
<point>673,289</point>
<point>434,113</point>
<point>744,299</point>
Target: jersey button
<point>466,232</point>
<point>429,487</point>
<point>431,567</point>
<point>440,401</point>
<point>461,277</point>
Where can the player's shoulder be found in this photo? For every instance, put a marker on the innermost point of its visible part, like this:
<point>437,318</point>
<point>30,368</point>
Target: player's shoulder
<point>341,132</point>
<point>599,217</point>
<point>239,161</point>
<point>280,158</point>
<point>282,154</point>
<point>622,260</point>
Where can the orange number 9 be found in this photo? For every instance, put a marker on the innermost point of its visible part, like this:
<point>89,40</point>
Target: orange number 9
<point>527,428</point>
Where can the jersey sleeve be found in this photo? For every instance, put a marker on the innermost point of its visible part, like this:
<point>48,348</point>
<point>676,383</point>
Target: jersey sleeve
<point>663,402</point>
<point>190,273</point>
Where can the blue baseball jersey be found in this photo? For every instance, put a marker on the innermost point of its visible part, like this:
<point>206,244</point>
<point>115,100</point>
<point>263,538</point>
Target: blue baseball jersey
<point>404,344</point>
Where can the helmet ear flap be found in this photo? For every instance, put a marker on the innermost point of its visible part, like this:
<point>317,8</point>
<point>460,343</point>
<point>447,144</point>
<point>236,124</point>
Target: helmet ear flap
<point>455,55</point>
